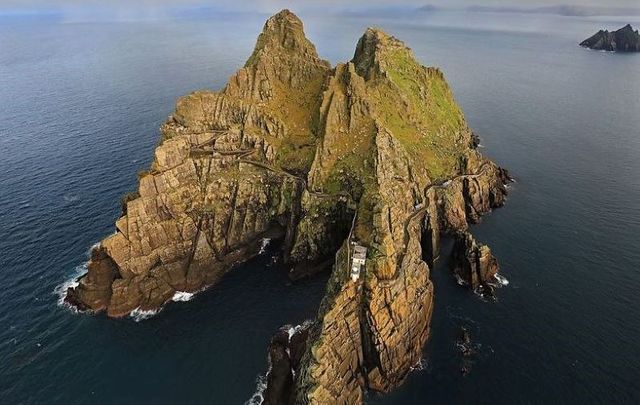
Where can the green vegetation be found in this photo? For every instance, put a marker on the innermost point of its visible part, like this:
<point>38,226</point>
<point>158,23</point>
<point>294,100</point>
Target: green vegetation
<point>295,158</point>
<point>417,106</point>
<point>143,173</point>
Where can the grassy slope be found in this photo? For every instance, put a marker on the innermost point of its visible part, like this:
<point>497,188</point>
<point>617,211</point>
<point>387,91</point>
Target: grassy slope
<point>417,106</point>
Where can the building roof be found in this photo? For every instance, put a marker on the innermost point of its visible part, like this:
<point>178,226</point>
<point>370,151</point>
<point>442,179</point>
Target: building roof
<point>359,252</point>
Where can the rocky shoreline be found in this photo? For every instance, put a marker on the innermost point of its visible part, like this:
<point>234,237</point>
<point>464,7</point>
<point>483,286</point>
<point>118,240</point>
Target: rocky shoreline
<point>373,152</point>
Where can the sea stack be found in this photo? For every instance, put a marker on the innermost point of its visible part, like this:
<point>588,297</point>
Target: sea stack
<point>372,154</point>
<point>623,40</point>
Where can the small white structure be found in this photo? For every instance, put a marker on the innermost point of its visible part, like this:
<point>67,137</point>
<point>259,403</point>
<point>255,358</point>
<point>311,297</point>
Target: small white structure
<point>357,261</point>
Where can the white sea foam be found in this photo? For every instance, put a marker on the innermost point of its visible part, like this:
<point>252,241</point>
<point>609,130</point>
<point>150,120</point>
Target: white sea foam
<point>140,315</point>
<point>292,330</point>
<point>72,282</point>
<point>182,296</point>
<point>502,280</point>
<point>258,397</point>
<point>61,289</point>
<point>263,245</point>
<point>261,382</point>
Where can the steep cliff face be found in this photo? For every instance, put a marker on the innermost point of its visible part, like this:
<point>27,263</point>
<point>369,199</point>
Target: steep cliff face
<point>473,263</point>
<point>623,40</point>
<point>395,140</point>
<point>226,173</point>
<point>374,153</point>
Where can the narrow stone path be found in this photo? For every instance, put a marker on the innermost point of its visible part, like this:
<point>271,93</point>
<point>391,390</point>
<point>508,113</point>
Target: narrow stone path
<point>424,206</point>
<point>241,157</point>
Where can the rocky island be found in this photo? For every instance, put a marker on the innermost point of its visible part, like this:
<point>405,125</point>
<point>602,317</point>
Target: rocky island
<point>623,40</point>
<point>372,155</point>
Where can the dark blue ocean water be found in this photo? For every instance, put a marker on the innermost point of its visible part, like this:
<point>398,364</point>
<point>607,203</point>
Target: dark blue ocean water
<point>80,106</point>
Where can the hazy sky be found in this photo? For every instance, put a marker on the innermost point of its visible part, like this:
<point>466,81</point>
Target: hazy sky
<point>259,5</point>
<point>155,8</point>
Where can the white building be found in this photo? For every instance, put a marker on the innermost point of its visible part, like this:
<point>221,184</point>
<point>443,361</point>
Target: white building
<point>358,260</point>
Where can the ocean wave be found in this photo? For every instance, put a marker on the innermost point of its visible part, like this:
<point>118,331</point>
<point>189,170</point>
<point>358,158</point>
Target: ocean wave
<point>72,282</point>
<point>61,289</point>
<point>140,314</point>
<point>502,280</point>
<point>179,296</point>
<point>293,329</point>
<point>182,296</point>
<point>94,246</point>
<point>261,381</point>
<point>258,397</point>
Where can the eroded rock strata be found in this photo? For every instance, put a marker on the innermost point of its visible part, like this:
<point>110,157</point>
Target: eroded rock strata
<point>373,152</point>
<point>473,263</point>
<point>230,170</point>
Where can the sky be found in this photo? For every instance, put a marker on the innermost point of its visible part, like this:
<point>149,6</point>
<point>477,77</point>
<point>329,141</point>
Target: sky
<point>270,4</point>
<point>296,5</point>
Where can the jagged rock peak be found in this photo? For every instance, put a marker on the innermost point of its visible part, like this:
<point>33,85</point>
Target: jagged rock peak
<point>370,51</point>
<point>283,32</point>
<point>623,40</point>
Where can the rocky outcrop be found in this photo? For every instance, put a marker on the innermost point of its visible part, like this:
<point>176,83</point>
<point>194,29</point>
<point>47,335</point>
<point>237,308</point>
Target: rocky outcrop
<point>473,263</point>
<point>374,152</point>
<point>96,288</point>
<point>285,352</point>
<point>623,40</point>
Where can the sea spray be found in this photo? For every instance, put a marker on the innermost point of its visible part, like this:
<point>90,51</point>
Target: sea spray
<point>261,382</point>
<point>182,296</point>
<point>261,385</point>
<point>80,270</point>
<point>502,280</point>
<point>61,289</point>
<point>139,315</point>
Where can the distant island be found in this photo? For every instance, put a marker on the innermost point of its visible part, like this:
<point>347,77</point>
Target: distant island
<point>623,40</point>
<point>358,169</point>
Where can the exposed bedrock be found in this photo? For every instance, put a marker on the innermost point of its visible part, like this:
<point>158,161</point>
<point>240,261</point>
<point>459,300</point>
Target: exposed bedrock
<point>229,171</point>
<point>373,154</point>
<point>285,352</point>
<point>473,263</point>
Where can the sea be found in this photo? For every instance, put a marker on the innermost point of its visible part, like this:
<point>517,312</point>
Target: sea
<point>81,101</point>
